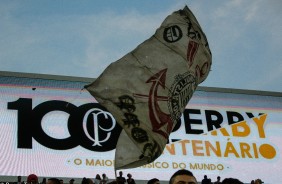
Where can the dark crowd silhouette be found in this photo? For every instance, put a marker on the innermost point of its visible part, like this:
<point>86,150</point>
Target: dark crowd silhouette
<point>207,180</point>
<point>180,176</point>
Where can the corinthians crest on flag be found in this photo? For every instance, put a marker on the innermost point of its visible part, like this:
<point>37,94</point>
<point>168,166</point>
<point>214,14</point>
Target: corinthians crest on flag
<point>148,89</point>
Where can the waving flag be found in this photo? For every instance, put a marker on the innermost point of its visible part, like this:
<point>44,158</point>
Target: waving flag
<point>147,90</point>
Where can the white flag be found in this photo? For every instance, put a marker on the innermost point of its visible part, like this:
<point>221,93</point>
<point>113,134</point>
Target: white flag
<point>147,90</point>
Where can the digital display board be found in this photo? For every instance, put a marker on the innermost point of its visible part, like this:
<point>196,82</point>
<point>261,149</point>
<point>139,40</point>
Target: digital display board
<point>53,128</point>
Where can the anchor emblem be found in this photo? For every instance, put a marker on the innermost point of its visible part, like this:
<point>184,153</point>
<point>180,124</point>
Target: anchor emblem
<point>158,118</point>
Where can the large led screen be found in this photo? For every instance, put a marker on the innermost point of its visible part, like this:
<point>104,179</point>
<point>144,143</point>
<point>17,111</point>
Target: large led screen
<point>53,128</point>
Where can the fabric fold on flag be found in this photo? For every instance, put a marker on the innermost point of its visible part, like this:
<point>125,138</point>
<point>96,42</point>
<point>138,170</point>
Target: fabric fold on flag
<point>148,89</point>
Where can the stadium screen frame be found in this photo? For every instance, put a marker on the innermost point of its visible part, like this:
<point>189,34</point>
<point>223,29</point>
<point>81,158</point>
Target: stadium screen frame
<point>44,131</point>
